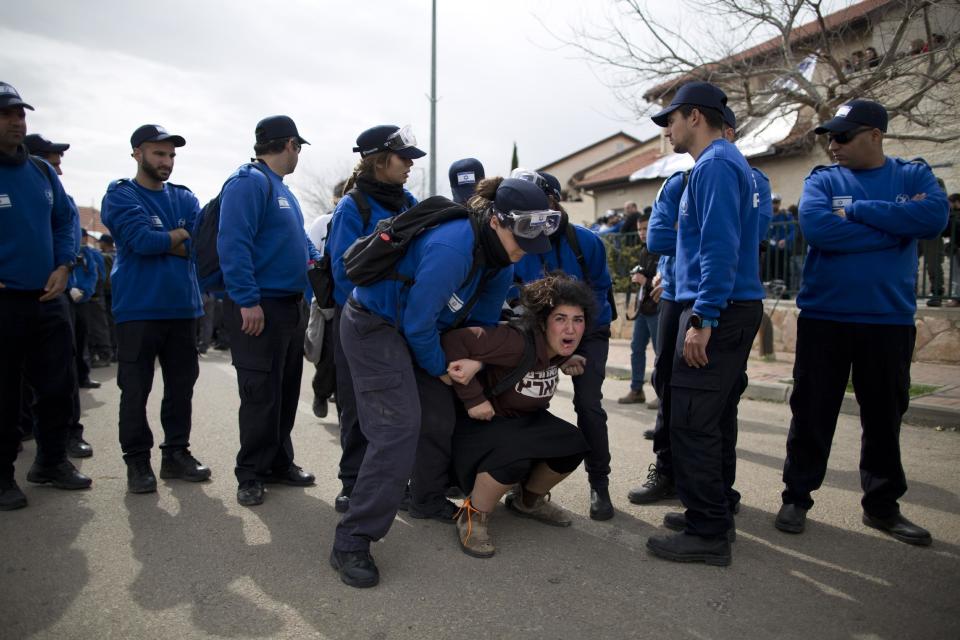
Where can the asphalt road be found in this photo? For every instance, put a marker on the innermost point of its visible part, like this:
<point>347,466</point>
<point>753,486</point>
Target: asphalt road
<point>188,562</point>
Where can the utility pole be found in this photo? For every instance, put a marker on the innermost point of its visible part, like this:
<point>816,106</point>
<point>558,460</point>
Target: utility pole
<point>433,103</point>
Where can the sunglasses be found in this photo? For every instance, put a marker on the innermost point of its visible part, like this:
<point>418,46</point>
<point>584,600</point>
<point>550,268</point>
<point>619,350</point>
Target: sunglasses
<point>847,136</point>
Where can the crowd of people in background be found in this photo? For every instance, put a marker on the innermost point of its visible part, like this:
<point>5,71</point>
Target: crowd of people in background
<point>439,329</point>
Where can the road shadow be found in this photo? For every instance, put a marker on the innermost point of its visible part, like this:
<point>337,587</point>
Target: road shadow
<point>45,584</point>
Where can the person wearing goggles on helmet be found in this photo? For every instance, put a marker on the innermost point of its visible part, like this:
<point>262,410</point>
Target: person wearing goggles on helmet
<point>581,254</point>
<point>455,273</point>
<point>374,192</point>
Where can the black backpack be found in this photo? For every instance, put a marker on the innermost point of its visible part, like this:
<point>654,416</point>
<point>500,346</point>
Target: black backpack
<point>374,257</point>
<point>204,235</point>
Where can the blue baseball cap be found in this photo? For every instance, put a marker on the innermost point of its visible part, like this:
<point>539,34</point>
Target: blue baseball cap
<point>154,133</point>
<point>729,117</point>
<point>553,185</point>
<point>520,195</point>
<point>38,145</point>
<point>10,98</point>
<point>276,128</point>
<point>697,94</point>
<point>464,175</point>
<point>388,137</point>
<point>854,114</point>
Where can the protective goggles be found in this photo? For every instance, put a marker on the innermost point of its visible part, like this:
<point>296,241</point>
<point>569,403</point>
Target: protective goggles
<point>530,224</point>
<point>401,139</point>
<point>535,178</point>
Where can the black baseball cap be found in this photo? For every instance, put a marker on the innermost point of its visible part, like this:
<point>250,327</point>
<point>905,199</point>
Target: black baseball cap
<point>10,98</point>
<point>276,127</point>
<point>553,185</point>
<point>38,145</point>
<point>855,114</point>
<point>697,94</point>
<point>374,140</point>
<point>729,117</point>
<point>521,195</point>
<point>464,175</point>
<point>154,133</point>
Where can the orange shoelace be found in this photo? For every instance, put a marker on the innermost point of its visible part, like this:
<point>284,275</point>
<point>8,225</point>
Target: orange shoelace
<point>470,509</point>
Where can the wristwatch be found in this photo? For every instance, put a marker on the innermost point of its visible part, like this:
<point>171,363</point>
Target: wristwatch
<point>702,323</point>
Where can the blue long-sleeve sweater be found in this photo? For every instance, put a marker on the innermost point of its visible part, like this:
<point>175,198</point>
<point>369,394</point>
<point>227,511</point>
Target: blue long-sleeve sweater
<point>38,224</point>
<point>561,257</point>
<point>863,267</point>
<point>439,261</point>
<point>147,282</point>
<point>89,270</point>
<point>662,230</point>
<point>718,233</point>
<point>263,246</point>
<point>765,202</point>
<point>345,227</point>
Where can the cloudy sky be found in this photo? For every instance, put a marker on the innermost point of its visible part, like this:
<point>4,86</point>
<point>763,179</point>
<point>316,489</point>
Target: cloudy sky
<point>95,70</point>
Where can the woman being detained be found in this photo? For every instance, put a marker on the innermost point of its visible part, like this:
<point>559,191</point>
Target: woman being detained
<point>505,377</point>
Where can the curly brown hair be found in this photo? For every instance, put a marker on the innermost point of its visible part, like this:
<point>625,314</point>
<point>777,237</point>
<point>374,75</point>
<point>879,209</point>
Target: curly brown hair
<point>540,297</point>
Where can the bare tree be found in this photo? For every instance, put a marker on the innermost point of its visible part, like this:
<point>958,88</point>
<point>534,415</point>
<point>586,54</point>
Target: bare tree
<point>318,193</point>
<point>903,53</point>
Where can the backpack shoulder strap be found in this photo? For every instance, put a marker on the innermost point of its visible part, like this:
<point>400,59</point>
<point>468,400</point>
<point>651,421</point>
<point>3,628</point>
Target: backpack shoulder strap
<point>254,165</point>
<point>578,254</point>
<point>363,205</point>
<point>475,266</point>
<point>526,363</point>
<point>42,166</point>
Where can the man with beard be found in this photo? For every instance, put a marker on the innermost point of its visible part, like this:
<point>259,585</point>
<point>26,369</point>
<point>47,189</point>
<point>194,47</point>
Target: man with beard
<point>37,250</point>
<point>156,302</point>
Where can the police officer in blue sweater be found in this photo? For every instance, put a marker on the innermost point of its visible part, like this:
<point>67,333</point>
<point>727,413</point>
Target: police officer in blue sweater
<point>718,285</point>
<point>590,266</point>
<point>264,254</point>
<point>156,302</point>
<point>36,254</point>
<point>391,328</point>
<point>862,218</point>
<point>373,192</point>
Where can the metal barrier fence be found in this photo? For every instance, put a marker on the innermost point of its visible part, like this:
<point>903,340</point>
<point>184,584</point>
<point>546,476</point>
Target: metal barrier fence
<point>783,251</point>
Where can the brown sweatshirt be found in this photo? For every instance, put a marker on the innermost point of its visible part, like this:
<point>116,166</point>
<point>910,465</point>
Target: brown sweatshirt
<point>500,349</point>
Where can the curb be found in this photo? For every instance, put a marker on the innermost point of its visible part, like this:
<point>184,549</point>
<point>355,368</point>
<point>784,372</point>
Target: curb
<point>918,414</point>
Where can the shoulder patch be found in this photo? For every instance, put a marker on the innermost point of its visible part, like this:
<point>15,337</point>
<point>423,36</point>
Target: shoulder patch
<point>180,186</point>
<point>919,161</point>
<point>819,168</point>
<point>116,184</point>
<point>760,173</point>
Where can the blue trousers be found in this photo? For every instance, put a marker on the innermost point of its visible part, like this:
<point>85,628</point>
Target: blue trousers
<point>644,330</point>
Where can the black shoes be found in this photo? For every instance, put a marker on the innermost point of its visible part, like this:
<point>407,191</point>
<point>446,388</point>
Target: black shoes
<point>178,463</point>
<point>444,511</point>
<point>791,519</point>
<point>293,476</point>
<point>356,568</point>
<point>89,384</point>
<point>900,528</point>
<point>250,493</point>
<point>683,547</point>
<point>600,506</point>
<point>61,476</point>
<point>77,447</point>
<point>140,478</point>
<point>648,434</point>
<point>657,487</point>
<point>932,301</point>
<point>320,407</point>
<point>677,521</point>
<point>10,495</point>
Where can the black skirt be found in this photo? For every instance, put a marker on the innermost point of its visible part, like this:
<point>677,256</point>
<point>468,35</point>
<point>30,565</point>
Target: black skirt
<point>480,446</point>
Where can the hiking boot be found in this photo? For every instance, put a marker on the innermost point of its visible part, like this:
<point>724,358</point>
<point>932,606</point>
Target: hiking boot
<point>543,510</point>
<point>445,512</point>
<point>600,506</point>
<point>61,476</point>
<point>657,487</point>
<point>472,531</point>
<point>178,463</point>
<point>683,547</point>
<point>677,521</point>
<point>633,397</point>
<point>11,497</point>
<point>654,403</point>
<point>140,478</point>
<point>356,568</point>
<point>77,447</point>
